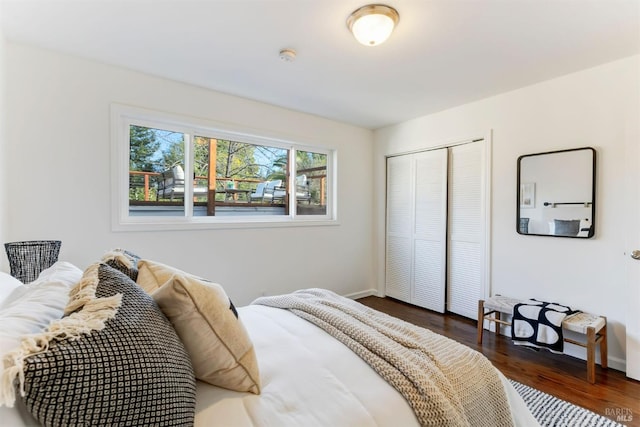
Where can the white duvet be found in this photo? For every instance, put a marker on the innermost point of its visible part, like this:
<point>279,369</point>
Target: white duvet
<point>308,379</point>
<point>311,379</point>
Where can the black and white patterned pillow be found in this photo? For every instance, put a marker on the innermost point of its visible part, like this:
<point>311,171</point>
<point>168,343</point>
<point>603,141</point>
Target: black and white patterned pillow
<point>134,372</point>
<point>123,260</point>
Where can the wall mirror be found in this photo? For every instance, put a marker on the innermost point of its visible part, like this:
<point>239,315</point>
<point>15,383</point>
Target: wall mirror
<point>557,193</point>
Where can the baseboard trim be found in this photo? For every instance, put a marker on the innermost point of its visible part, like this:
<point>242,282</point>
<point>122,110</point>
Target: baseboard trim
<point>362,294</point>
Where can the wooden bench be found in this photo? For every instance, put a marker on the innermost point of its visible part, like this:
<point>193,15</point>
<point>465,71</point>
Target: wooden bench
<point>594,327</point>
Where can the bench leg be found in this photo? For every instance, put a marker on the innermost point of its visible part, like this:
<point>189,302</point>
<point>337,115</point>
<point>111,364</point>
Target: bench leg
<point>604,356</point>
<point>480,320</point>
<point>591,355</point>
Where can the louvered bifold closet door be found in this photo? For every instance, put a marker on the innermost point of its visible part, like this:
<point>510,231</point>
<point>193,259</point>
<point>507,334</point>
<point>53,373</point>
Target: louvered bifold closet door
<point>399,227</point>
<point>466,247</point>
<point>430,229</point>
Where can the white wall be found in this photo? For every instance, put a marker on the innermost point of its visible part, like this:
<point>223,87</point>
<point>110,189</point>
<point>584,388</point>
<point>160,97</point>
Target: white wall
<point>58,143</point>
<point>3,146</point>
<point>588,108</point>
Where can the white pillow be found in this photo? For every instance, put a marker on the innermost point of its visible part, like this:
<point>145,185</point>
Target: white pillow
<point>29,308</point>
<point>7,284</point>
<point>63,273</point>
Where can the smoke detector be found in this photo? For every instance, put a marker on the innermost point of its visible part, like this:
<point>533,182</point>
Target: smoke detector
<point>287,55</point>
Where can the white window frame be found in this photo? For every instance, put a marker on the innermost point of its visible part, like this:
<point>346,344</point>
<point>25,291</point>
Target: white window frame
<point>122,117</point>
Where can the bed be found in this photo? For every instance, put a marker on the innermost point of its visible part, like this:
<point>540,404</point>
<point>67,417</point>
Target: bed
<point>287,371</point>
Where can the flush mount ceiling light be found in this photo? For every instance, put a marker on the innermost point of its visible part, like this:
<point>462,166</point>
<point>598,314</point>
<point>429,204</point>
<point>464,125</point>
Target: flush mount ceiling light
<point>373,24</point>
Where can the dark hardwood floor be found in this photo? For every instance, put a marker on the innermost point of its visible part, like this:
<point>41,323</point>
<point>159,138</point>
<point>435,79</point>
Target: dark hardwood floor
<point>559,375</point>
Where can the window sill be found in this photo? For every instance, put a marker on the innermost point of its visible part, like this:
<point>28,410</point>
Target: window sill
<point>181,224</point>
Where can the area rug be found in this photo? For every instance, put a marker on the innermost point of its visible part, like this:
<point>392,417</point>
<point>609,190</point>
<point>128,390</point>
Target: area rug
<point>553,412</point>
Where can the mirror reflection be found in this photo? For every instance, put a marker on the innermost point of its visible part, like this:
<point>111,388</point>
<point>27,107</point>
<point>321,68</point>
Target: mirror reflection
<point>557,193</point>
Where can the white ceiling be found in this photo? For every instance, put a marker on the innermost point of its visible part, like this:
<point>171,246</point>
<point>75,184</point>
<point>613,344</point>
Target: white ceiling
<point>442,54</point>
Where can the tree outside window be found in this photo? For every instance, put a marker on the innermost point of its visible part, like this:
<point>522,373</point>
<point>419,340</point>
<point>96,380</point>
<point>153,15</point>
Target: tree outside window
<point>157,163</point>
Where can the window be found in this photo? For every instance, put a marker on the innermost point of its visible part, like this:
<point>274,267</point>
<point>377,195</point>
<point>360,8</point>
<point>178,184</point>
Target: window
<point>170,171</point>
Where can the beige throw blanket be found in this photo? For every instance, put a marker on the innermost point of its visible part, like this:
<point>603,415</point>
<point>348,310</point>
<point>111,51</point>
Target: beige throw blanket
<point>445,382</point>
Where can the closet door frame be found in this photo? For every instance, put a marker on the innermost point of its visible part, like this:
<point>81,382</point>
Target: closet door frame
<point>486,199</point>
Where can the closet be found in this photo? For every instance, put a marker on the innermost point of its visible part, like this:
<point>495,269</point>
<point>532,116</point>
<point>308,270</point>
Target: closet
<point>436,236</point>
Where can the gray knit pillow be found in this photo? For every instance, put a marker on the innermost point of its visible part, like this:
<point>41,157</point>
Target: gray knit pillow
<point>569,227</point>
<point>123,260</point>
<point>133,372</point>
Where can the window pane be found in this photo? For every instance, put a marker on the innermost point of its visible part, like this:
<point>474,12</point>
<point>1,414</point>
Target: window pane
<point>156,172</point>
<point>260,180</point>
<point>249,179</point>
<point>311,183</point>
<point>201,147</point>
